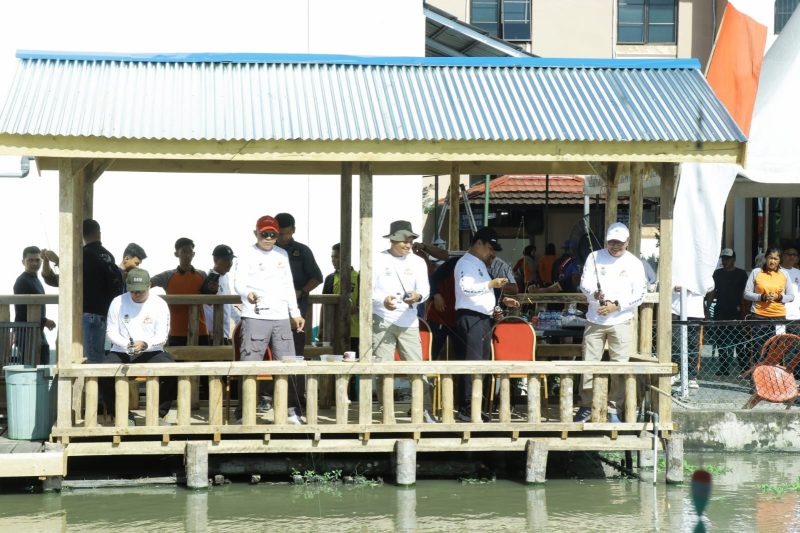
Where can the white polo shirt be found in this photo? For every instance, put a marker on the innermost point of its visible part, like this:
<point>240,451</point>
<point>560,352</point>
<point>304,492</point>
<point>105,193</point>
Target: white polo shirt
<point>621,279</point>
<point>268,274</point>
<point>393,276</point>
<point>472,285</point>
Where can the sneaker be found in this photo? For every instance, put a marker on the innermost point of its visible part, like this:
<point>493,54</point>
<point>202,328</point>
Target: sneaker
<point>583,415</point>
<point>163,422</point>
<point>613,418</point>
<point>693,384</point>
<point>264,404</point>
<point>675,380</point>
<point>428,418</point>
<point>294,420</point>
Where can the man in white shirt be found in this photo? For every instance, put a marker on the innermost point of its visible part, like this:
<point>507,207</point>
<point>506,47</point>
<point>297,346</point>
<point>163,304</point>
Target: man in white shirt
<point>263,278</point>
<point>138,327</point>
<point>475,306</point>
<point>399,285</point>
<point>218,282</point>
<point>614,284</point>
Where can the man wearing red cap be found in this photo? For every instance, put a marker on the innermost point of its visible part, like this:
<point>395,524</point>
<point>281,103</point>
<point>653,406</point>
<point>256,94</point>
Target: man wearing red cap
<point>263,279</point>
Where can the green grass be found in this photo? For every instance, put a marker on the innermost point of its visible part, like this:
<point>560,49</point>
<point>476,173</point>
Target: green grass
<point>689,468</point>
<point>781,488</point>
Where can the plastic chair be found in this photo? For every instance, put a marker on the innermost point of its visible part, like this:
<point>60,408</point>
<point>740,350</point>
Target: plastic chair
<point>774,381</point>
<point>513,339</point>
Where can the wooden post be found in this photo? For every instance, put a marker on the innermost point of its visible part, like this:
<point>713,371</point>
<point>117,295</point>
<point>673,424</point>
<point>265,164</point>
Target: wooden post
<point>417,397</point>
<point>453,222</point>
<point>674,453</point>
<point>191,340</point>
<point>387,398</point>
<point>665,285</point>
<point>365,288</point>
<point>406,461</point>
<point>184,400</point>
<point>196,461</point>
<point>342,337</point>
<point>536,463</point>
<point>447,399</point>
<point>341,399</point>
<point>646,329</point>
<point>249,401</point>
<point>215,400</point>
<point>477,398</point>
<point>534,400</point>
<point>151,404</point>
<point>565,403</point>
<point>121,407</point>
<point>280,399</point>
<point>630,398</point>
<point>599,398</point>
<point>90,416</point>
<point>71,179</point>
<point>612,173</point>
<point>312,405</point>
<point>635,207</point>
<point>505,400</point>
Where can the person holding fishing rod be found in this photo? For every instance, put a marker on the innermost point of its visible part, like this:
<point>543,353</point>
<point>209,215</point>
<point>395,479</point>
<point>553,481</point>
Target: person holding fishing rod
<point>614,283</point>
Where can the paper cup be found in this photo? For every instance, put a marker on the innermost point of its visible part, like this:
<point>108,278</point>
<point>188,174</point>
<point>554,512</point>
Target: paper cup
<point>349,356</point>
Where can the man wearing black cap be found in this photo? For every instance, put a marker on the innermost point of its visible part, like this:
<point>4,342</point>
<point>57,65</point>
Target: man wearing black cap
<point>475,303</point>
<point>217,282</point>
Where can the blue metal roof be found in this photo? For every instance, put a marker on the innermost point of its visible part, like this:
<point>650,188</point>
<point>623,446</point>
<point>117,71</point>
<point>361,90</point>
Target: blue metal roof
<point>347,98</point>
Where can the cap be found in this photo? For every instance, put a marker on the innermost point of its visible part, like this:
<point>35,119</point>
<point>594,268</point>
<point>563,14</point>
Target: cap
<point>489,235</point>
<point>266,223</point>
<point>617,232</point>
<point>400,230</point>
<point>727,252</point>
<point>223,251</point>
<point>138,279</point>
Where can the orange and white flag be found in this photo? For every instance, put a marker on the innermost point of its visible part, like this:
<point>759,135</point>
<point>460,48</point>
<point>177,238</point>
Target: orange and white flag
<point>735,63</point>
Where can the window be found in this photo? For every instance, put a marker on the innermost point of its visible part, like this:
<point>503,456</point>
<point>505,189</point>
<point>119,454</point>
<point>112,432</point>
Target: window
<point>783,11</point>
<point>646,21</point>
<point>505,19</point>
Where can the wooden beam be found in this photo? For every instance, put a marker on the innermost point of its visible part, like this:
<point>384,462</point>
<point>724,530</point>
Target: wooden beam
<point>342,338</point>
<point>635,207</point>
<point>664,320</point>
<point>365,288</point>
<point>612,174</point>
<point>453,221</point>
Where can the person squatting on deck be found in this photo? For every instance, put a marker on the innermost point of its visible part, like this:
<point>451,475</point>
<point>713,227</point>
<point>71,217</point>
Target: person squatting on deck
<point>614,284</point>
<point>399,284</point>
<point>475,307</point>
<point>138,327</point>
<point>263,279</point>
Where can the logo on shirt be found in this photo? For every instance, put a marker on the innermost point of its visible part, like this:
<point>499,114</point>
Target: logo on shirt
<point>147,320</point>
<point>126,319</point>
<point>387,272</point>
<point>296,253</point>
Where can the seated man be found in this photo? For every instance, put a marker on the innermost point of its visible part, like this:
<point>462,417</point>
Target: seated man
<point>138,327</point>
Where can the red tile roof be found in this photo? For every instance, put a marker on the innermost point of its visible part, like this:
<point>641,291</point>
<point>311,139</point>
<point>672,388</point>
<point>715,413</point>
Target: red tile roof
<point>564,190</point>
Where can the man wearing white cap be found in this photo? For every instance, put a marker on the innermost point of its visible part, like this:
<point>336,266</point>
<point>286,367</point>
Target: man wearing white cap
<point>614,283</point>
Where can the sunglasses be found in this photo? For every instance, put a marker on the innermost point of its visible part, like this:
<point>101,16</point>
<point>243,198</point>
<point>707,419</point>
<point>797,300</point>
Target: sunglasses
<point>269,234</point>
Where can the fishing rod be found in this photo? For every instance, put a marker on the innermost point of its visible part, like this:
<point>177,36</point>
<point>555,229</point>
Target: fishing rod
<point>589,233</point>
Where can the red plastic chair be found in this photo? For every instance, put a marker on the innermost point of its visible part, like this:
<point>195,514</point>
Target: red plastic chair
<point>774,381</point>
<point>513,339</point>
<point>426,338</point>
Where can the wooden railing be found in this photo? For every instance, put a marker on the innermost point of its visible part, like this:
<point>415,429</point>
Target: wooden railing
<point>212,420</point>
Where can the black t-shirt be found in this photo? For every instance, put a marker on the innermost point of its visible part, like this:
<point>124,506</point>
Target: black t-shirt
<point>729,288</point>
<point>27,284</point>
<point>102,280</point>
<point>304,267</point>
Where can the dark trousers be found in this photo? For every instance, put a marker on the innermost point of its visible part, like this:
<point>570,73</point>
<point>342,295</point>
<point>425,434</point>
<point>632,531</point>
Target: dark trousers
<point>176,340</point>
<point>475,329</point>
<point>168,386</point>
<point>440,334</point>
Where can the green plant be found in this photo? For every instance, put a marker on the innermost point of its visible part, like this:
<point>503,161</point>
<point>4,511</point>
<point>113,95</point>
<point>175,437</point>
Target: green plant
<point>689,468</point>
<point>781,488</point>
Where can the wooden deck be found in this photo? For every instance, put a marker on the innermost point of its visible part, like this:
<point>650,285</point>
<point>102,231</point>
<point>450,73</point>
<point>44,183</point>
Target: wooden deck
<point>22,458</point>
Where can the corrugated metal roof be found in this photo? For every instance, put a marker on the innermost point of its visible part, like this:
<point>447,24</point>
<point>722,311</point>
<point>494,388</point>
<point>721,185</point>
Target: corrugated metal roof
<point>345,98</point>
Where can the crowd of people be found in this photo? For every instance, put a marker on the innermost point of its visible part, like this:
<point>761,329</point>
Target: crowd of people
<point>461,298</point>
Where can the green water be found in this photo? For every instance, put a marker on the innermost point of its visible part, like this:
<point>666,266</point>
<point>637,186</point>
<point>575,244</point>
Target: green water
<point>738,504</point>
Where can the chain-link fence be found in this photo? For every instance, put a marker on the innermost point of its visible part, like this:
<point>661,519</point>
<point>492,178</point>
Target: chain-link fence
<point>716,359</point>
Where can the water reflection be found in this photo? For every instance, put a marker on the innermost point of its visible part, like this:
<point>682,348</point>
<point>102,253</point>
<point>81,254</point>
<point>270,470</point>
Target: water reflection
<point>737,504</point>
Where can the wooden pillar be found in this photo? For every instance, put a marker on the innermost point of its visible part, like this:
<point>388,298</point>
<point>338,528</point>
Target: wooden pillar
<point>342,338</point>
<point>71,181</point>
<point>635,207</point>
<point>664,324</point>
<point>453,222</point>
<point>365,288</point>
<point>612,173</point>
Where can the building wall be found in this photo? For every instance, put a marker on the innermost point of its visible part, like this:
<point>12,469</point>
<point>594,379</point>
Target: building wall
<point>573,28</point>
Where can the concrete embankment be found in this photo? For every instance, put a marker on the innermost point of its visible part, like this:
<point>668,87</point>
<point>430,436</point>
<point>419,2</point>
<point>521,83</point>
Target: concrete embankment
<point>740,430</point>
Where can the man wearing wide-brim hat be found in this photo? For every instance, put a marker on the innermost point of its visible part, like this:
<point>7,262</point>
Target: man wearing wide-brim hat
<point>399,285</point>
